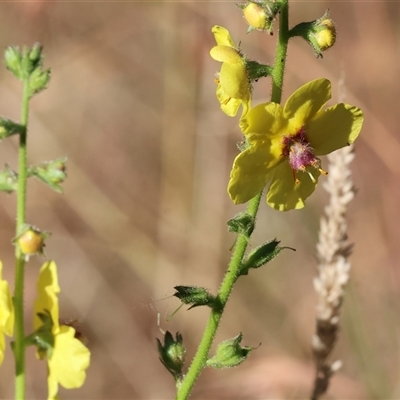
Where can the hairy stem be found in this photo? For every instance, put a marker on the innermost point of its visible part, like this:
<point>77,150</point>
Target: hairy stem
<point>19,345</point>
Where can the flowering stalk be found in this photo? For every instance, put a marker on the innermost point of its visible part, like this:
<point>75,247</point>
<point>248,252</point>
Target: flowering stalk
<point>19,346</point>
<point>184,387</point>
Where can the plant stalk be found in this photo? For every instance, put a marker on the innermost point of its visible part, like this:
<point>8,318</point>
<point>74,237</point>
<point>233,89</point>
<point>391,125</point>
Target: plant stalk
<point>19,344</point>
<point>233,271</point>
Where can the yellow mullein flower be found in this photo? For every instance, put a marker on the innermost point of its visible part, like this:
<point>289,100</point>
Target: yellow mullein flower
<point>6,313</point>
<point>233,86</point>
<point>284,143</point>
<point>69,358</point>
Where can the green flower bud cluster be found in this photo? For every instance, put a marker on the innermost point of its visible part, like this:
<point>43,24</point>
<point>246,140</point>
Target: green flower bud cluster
<point>27,64</point>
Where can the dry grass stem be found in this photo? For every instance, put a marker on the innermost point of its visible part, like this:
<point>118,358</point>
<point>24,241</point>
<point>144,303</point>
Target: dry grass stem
<point>333,251</point>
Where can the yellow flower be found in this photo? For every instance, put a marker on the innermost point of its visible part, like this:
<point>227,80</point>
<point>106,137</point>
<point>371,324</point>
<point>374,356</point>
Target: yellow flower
<point>6,313</point>
<point>284,143</point>
<point>69,358</point>
<point>233,86</point>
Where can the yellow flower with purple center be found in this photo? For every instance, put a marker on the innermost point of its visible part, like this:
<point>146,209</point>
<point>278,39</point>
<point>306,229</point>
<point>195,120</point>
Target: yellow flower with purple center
<point>284,144</point>
<point>6,313</point>
<point>69,358</point>
<point>233,86</point>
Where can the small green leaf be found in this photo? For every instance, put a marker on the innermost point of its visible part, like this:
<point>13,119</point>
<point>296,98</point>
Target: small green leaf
<point>172,354</point>
<point>261,255</point>
<point>196,296</point>
<point>229,353</point>
<point>9,128</point>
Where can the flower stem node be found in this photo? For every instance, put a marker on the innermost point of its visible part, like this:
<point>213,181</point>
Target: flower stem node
<point>229,353</point>
<point>173,354</point>
<point>31,240</point>
<point>196,296</point>
<point>260,15</point>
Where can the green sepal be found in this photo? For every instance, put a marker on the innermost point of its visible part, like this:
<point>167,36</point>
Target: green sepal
<point>28,64</point>
<point>242,223</point>
<point>43,337</point>
<point>172,354</point>
<point>229,353</point>
<point>260,256</point>
<point>9,128</point>
<point>8,180</point>
<point>52,173</point>
<point>256,70</point>
<point>196,296</point>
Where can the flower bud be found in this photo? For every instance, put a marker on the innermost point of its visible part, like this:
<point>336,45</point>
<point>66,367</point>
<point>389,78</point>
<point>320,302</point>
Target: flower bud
<point>35,53</point>
<point>320,34</point>
<point>229,353</point>
<point>13,59</point>
<point>39,79</point>
<point>31,241</point>
<point>255,16</point>
<point>52,173</point>
<point>325,34</point>
<point>260,15</point>
<point>172,354</point>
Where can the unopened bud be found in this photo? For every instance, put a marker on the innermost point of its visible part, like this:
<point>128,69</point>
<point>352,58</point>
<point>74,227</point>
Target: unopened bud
<point>325,34</point>
<point>260,15</point>
<point>31,241</point>
<point>172,354</point>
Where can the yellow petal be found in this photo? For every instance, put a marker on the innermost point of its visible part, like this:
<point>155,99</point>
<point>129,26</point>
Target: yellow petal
<point>250,173</point>
<point>6,306</point>
<point>48,289</point>
<point>234,82</point>
<point>222,36</point>
<point>306,101</point>
<point>284,193</point>
<point>263,121</point>
<point>6,313</point>
<point>226,54</point>
<point>334,128</point>
<point>68,363</point>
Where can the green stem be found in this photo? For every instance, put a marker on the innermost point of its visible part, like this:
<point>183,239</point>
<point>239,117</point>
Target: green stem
<point>232,274</point>
<point>19,345</point>
<point>280,55</point>
<point>230,278</point>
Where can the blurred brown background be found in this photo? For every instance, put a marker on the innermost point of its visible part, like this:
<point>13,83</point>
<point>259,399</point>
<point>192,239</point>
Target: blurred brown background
<point>132,104</point>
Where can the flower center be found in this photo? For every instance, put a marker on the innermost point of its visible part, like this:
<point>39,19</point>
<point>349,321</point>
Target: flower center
<point>300,154</point>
